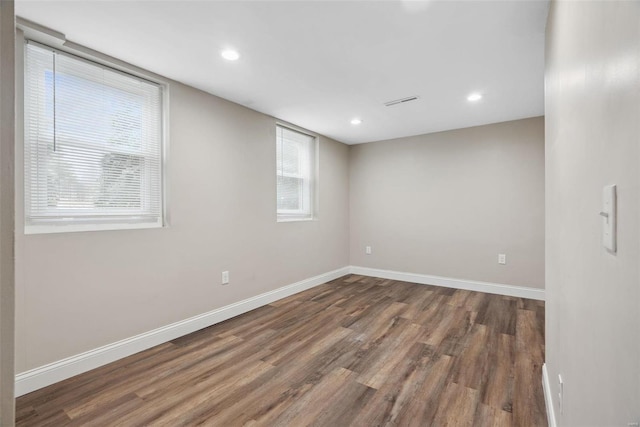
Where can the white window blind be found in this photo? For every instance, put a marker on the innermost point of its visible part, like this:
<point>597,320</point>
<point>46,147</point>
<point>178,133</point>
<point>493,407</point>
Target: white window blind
<point>93,143</point>
<point>295,153</point>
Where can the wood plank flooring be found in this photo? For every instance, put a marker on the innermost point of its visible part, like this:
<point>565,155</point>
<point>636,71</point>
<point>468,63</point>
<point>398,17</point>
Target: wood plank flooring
<point>358,351</point>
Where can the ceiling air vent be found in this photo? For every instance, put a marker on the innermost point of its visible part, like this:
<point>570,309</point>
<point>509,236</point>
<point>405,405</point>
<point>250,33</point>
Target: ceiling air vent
<point>400,101</point>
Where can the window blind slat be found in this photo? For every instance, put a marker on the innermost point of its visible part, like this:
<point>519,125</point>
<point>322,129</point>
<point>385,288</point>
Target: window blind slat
<point>93,141</point>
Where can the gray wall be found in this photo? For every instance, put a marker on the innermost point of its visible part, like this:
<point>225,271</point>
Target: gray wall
<point>447,203</point>
<point>79,291</point>
<point>592,140</point>
<point>7,125</point>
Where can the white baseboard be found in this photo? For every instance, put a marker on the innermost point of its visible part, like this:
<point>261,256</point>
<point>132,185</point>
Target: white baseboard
<point>551,414</point>
<point>470,285</point>
<point>43,376</point>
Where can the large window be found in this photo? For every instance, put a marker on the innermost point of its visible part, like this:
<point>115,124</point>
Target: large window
<point>93,145</point>
<point>296,174</point>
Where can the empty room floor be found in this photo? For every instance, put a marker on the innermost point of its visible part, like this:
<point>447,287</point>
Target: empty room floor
<point>358,351</point>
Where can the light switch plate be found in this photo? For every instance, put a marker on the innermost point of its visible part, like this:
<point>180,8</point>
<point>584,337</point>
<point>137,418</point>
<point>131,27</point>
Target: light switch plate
<point>609,217</point>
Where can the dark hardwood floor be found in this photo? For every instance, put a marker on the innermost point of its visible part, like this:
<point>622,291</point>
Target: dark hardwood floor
<point>358,351</point>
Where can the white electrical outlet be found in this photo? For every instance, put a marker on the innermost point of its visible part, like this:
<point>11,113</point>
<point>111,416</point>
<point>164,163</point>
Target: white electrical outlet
<point>502,259</point>
<point>367,250</point>
<point>560,392</point>
<point>225,277</point>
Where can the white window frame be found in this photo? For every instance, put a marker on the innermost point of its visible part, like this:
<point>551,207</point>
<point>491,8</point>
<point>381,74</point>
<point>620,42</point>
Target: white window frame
<point>56,41</point>
<point>293,215</point>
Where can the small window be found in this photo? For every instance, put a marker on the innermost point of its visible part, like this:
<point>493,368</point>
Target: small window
<point>93,145</point>
<point>296,173</point>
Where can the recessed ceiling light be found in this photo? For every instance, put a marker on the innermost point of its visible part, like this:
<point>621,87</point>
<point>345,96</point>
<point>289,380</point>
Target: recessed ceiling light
<point>474,97</point>
<point>230,54</point>
<point>356,121</point>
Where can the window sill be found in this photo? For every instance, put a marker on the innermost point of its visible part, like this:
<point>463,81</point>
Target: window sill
<point>294,219</point>
<point>75,228</point>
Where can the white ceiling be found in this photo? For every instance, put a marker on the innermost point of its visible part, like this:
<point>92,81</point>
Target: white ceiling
<point>320,64</point>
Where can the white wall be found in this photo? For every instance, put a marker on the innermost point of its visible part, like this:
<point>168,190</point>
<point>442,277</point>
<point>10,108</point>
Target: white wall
<point>80,291</point>
<point>592,140</point>
<point>447,203</point>
<point>7,125</point>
